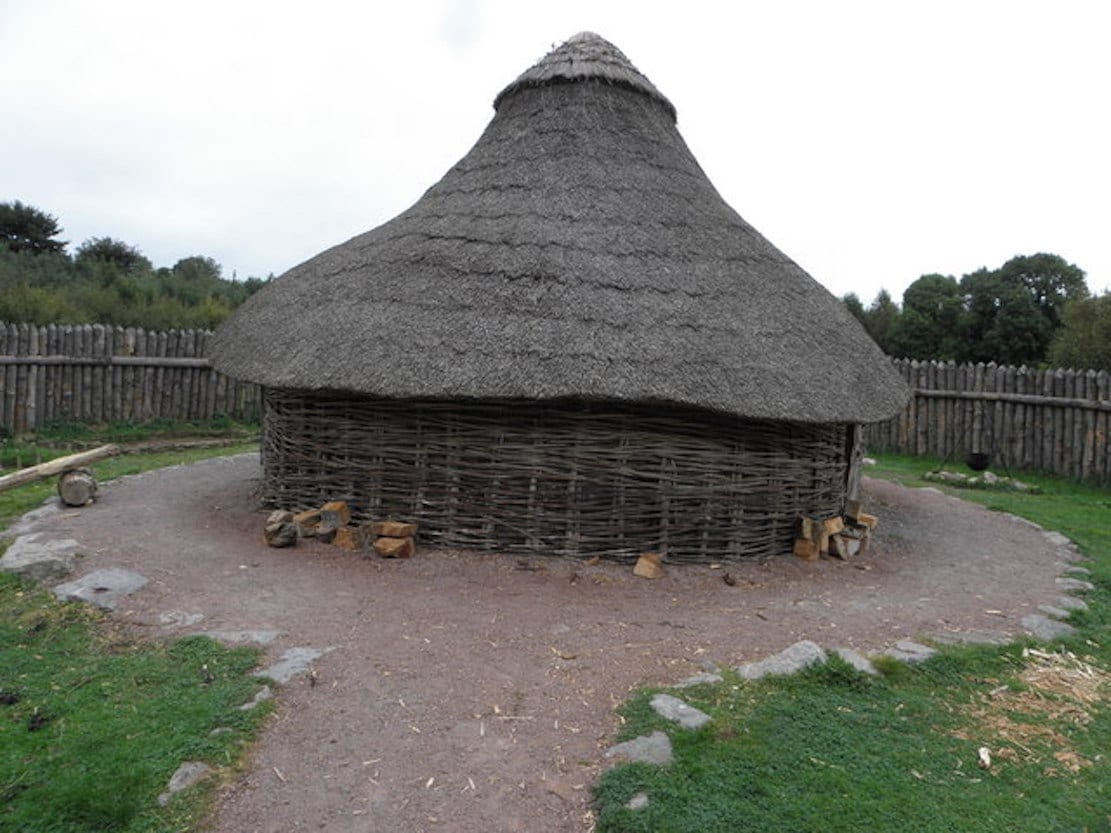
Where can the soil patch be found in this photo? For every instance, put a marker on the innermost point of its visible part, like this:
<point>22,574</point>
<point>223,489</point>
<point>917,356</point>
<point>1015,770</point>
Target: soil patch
<point>476,692</point>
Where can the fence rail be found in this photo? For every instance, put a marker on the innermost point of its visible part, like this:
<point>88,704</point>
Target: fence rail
<point>95,373</point>
<point>1050,420</point>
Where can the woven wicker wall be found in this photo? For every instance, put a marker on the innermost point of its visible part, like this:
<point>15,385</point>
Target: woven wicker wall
<point>574,478</point>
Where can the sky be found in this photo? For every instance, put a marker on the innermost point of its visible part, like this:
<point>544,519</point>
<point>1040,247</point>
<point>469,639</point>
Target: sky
<point>872,142</point>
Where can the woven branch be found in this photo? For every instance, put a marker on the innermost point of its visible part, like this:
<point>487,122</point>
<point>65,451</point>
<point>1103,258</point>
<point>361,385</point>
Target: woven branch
<point>567,478</point>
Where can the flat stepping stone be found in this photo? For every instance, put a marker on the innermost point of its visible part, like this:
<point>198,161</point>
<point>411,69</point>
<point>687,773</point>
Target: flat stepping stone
<point>31,559</point>
<point>675,710</point>
<point>179,619</point>
<point>1074,584</point>
<point>293,662</point>
<point>102,588</point>
<point>637,802</point>
<point>261,696</point>
<point>1055,612</point>
<point>1046,629</point>
<point>1072,603</point>
<point>790,660</point>
<point>1076,570</point>
<point>242,637</point>
<point>857,660</point>
<point>188,774</point>
<point>701,678</point>
<point>971,637</point>
<point>647,749</point>
<point>1056,538</point>
<point>910,652</point>
<point>27,523</point>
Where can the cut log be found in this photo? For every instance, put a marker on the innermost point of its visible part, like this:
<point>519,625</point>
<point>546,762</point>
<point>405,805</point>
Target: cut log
<point>306,522</point>
<point>392,529</point>
<point>280,534</point>
<point>395,547</point>
<point>77,487</point>
<point>809,528</point>
<point>838,548</point>
<point>870,521</point>
<point>56,466</point>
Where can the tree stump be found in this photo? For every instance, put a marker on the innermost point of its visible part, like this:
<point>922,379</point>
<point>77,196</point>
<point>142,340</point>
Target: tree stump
<point>77,487</point>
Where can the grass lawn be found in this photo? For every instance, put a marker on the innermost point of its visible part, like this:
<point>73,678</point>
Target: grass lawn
<point>832,750</point>
<point>93,723</point>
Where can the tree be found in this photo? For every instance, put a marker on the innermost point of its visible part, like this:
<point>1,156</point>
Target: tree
<point>932,322</point>
<point>197,268</point>
<point>1084,340</point>
<point>108,250</point>
<point>854,306</point>
<point>1005,323</point>
<point>879,318</point>
<point>24,228</point>
<point>1050,279</point>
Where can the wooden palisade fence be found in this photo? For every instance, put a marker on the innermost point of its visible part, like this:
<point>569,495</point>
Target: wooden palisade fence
<point>94,373</point>
<point>1051,420</point>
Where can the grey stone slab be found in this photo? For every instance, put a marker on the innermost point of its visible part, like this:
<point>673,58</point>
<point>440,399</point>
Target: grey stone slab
<point>242,637</point>
<point>1056,538</point>
<point>971,637</point>
<point>1076,570</point>
<point>908,651</point>
<point>103,588</point>
<point>31,520</point>
<point>790,660</point>
<point>1071,603</point>
<point>857,660</point>
<point>675,710</point>
<point>637,802</point>
<point>647,749</point>
<point>293,661</point>
<point>1073,584</point>
<point>179,618</point>
<point>36,560</point>
<point>1042,627</point>
<point>1055,612</point>
<point>186,775</point>
<point>261,696</point>
<point>702,678</point>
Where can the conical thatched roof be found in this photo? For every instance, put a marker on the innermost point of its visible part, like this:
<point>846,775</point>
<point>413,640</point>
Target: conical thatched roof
<point>577,251</point>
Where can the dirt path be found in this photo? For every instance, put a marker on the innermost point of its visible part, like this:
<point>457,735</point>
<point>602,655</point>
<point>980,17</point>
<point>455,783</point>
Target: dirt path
<point>466,692</point>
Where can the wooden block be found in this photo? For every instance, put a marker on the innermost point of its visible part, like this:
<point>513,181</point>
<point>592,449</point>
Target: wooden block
<point>837,547</point>
<point>395,547</point>
<point>831,526</point>
<point>870,521</point>
<point>350,537</point>
<point>649,565</point>
<point>307,522</point>
<point>852,509</point>
<point>806,549</point>
<point>392,529</point>
<point>809,528</point>
<point>336,512</point>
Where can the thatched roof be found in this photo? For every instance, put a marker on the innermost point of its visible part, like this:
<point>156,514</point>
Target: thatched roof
<point>577,251</point>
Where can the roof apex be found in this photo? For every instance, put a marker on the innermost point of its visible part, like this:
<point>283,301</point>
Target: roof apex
<point>585,57</point>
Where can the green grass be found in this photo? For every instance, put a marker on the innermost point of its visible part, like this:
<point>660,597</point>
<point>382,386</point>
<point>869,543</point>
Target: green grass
<point>831,750</point>
<point>93,723</point>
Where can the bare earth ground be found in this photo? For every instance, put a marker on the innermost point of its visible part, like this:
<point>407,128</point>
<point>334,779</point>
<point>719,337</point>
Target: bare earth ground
<point>470,692</point>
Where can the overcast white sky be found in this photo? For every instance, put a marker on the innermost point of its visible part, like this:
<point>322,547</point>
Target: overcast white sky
<point>873,142</point>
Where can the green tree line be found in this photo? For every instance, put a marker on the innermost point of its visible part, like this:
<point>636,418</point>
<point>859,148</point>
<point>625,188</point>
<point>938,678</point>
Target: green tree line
<point>105,281</point>
<point>1034,309</point>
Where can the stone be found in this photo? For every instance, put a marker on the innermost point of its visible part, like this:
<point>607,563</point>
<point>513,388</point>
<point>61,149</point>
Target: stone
<point>1076,570</point>
<point>703,678</point>
<point>179,619</point>
<point>857,660</point>
<point>325,533</point>
<point>675,710</point>
<point>647,749</point>
<point>280,534</point>
<point>102,588</point>
<point>336,513</point>
<point>30,520</point>
<point>1073,584</point>
<point>392,529</point>
<point>188,774</point>
<point>1056,538</point>
<point>790,660</point>
<point>649,565</point>
<point>1072,603</point>
<point>1046,629</point>
<point>242,637</point>
<point>1055,612</point>
<point>261,696</point>
<point>395,547</point>
<point>40,561</point>
<point>279,516</point>
<point>637,802</point>
<point>350,538</point>
<point>970,637</point>
<point>293,661</point>
<point>909,652</point>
